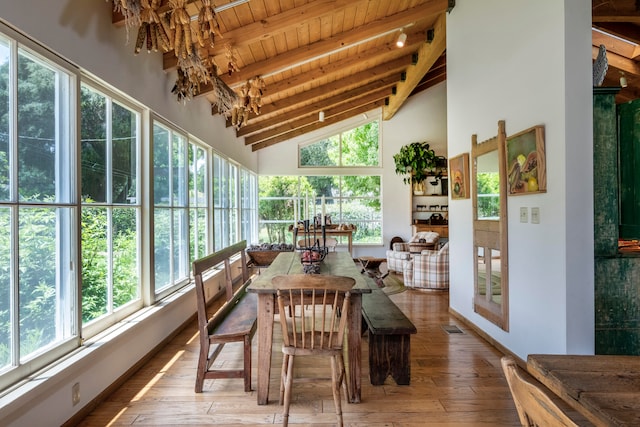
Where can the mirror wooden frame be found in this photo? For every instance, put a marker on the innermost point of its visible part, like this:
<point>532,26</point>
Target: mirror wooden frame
<point>490,234</point>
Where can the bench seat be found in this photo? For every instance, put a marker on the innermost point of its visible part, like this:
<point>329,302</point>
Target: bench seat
<point>389,339</point>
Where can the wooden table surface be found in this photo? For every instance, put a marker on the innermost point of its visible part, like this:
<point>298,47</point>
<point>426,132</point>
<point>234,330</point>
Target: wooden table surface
<point>605,389</point>
<point>335,263</point>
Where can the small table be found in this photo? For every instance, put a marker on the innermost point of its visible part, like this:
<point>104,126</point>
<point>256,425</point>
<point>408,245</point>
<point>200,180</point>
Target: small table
<point>605,389</point>
<point>331,232</point>
<point>371,266</point>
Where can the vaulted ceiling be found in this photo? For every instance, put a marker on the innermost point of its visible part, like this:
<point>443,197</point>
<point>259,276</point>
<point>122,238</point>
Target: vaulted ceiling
<point>335,56</point>
<point>340,57</point>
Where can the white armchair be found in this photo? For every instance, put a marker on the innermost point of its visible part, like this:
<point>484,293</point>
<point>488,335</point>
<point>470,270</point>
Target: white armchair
<point>402,252</point>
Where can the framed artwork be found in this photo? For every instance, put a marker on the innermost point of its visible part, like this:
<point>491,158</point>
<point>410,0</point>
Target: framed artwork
<point>526,168</point>
<point>459,176</point>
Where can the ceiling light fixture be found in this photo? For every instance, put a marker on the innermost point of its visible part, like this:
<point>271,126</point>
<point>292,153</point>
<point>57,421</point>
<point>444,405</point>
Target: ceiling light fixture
<point>401,39</point>
<point>321,116</point>
<point>623,79</point>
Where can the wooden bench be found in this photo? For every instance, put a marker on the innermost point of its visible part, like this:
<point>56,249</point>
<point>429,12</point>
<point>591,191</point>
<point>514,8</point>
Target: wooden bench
<point>389,338</point>
<point>234,321</point>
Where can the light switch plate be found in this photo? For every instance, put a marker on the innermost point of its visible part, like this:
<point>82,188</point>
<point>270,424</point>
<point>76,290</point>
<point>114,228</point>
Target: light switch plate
<point>535,215</point>
<point>524,214</point>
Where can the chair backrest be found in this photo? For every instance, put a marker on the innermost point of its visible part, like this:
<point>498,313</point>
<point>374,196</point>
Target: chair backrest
<point>428,236</point>
<point>331,243</point>
<point>322,327</point>
<point>534,407</point>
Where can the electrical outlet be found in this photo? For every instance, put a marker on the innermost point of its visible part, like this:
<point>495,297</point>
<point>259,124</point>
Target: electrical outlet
<point>75,394</point>
<point>535,215</point>
<point>524,214</point>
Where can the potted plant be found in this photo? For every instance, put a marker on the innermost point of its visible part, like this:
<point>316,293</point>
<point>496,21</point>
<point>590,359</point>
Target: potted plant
<point>417,161</point>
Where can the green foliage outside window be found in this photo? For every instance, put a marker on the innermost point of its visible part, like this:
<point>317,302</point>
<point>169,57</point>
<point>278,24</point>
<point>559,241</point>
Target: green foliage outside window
<point>349,200</point>
<point>356,147</point>
<point>488,195</point>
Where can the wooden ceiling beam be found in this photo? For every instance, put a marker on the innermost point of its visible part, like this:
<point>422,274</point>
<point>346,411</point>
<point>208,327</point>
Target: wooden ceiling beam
<point>317,125</point>
<point>620,62</point>
<point>302,121</point>
<point>428,54</point>
<point>388,52</point>
<point>623,30</point>
<point>380,72</point>
<point>325,104</point>
<point>634,19</point>
<point>304,53</point>
<point>288,20</point>
<point>437,74</point>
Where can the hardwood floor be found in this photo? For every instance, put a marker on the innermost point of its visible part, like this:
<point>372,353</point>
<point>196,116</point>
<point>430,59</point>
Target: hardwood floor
<point>456,380</point>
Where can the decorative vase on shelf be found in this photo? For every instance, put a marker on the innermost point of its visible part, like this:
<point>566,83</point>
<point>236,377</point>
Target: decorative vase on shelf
<point>418,188</point>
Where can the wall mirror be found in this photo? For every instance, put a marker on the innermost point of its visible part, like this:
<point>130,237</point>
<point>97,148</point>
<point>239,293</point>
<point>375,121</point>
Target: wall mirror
<point>488,179</point>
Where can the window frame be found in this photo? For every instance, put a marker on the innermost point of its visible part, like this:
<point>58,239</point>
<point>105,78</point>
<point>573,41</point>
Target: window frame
<point>67,122</point>
<point>173,207</point>
<point>97,325</point>
<point>340,137</point>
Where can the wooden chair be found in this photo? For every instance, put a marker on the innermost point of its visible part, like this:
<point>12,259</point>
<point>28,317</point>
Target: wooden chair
<point>534,407</point>
<point>318,331</point>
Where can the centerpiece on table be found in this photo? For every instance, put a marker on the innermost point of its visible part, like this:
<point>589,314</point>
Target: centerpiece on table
<point>312,252</point>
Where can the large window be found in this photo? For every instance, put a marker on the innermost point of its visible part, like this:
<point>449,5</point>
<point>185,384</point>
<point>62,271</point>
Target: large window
<point>77,218</point>
<point>38,211</point>
<point>198,201</point>
<point>349,200</point>
<point>110,206</point>
<point>355,147</point>
<point>249,206</point>
<point>170,214</point>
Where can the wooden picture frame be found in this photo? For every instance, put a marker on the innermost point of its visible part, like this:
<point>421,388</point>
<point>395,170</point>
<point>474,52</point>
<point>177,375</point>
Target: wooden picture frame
<point>459,176</point>
<point>526,165</point>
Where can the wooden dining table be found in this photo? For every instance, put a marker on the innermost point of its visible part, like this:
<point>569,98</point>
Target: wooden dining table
<point>603,388</point>
<point>335,263</point>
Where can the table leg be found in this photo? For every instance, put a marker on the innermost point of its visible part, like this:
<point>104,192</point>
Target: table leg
<point>354,348</point>
<point>265,344</point>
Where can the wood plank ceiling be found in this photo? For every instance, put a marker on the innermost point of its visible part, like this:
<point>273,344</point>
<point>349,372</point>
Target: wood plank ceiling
<point>340,56</point>
<point>335,56</point>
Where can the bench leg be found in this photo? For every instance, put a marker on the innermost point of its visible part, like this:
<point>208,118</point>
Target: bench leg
<point>202,366</point>
<point>389,355</point>
<point>247,363</point>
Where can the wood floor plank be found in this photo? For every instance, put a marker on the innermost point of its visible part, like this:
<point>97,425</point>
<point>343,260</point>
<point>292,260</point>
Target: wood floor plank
<point>456,380</point>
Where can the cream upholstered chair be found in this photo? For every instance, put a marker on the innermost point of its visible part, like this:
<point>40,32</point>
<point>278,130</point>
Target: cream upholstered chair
<point>401,252</point>
<point>313,314</point>
<point>428,269</point>
<point>534,407</point>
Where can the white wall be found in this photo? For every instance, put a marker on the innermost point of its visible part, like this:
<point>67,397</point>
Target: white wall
<point>514,61</point>
<point>422,118</point>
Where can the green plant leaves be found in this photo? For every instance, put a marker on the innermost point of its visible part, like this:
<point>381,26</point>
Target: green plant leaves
<point>416,160</point>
